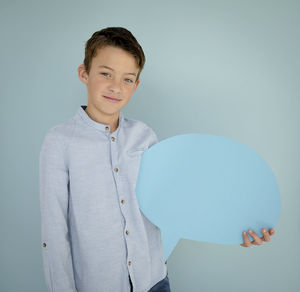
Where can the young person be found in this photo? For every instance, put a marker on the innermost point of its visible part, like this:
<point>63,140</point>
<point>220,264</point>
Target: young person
<point>94,236</point>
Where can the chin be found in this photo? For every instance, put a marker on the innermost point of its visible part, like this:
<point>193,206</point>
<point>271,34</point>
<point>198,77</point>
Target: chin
<point>109,112</point>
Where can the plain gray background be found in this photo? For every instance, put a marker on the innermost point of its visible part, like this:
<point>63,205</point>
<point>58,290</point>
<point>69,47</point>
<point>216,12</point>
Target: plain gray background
<point>227,68</point>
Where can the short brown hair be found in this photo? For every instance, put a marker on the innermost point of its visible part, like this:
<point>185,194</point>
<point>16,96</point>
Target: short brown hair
<point>118,37</point>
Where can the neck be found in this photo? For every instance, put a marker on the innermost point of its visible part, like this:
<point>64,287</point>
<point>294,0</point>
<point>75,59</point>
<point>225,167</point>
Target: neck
<point>99,117</point>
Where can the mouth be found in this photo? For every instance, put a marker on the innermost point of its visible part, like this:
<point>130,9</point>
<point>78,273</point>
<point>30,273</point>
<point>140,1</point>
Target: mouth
<point>111,99</point>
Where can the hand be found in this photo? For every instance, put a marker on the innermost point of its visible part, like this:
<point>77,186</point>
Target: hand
<point>257,240</point>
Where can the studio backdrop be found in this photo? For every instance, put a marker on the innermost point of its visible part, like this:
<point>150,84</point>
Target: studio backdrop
<point>227,68</point>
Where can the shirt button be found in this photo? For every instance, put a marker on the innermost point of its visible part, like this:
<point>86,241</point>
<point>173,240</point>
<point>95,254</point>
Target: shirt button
<point>106,128</point>
<point>129,263</point>
<point>44,244</point>
<point>122,201</point>
<point>116,169</point>
<point>127,232</point>
<point>113,138</point>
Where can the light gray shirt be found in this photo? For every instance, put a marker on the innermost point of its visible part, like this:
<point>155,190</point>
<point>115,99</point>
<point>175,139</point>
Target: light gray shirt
<point>93,233</point>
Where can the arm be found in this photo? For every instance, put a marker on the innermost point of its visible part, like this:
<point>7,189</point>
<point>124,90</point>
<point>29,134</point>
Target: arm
<point>153,139</point>
<point>57,258</point>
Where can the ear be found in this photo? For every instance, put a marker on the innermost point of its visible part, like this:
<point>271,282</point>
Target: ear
<point>82,74</point>
<point>136,84</point>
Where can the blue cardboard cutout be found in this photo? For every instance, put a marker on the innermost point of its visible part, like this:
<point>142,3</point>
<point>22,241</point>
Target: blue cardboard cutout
<point>206,188</point>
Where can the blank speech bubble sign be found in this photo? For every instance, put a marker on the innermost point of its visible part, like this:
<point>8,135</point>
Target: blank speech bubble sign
<point>206,188</point>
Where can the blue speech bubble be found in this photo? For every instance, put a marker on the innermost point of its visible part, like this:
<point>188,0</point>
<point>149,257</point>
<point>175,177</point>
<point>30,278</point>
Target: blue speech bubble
<point>206,188</point>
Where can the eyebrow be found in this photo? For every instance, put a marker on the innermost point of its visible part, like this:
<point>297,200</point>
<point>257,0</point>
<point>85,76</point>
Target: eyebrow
<point>103,66</point>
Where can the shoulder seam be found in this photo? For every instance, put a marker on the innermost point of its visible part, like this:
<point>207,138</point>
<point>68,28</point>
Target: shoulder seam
<point>63,144</point>
<point>72,134</point>
<point>63,139</point>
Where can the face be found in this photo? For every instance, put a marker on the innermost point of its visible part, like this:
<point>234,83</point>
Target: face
<point>110,82</point>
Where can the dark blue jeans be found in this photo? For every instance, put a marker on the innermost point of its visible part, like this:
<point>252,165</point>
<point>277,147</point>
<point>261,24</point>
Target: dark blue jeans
<point>161,286</point>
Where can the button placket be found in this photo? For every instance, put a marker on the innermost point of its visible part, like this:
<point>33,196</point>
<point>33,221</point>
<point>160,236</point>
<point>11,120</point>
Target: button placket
<point>113,139</point>
<point>116,170</point>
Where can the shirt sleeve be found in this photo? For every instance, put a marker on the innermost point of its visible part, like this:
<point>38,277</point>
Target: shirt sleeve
<point>56,250</point>
<point>153,138</point>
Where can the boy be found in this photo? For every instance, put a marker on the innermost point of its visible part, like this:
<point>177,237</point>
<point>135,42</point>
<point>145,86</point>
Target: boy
<point>94,236</point>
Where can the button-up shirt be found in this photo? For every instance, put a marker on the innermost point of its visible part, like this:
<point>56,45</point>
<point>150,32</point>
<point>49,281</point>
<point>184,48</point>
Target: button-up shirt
<point>94,236</point>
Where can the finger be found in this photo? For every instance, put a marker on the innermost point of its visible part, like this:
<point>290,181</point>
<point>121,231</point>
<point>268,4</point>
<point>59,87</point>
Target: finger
<point>266,235</point>
<point>247,241</point>
<point>257,239</point>
<point>271,231</point>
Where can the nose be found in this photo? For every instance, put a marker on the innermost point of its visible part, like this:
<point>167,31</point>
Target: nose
<point>115,86</point>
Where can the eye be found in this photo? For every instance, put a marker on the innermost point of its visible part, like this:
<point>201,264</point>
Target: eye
<point>128,80</point>
<point>104,73</point>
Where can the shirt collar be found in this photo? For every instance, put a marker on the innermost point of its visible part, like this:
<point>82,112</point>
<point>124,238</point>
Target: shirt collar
<point>101,127</point>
